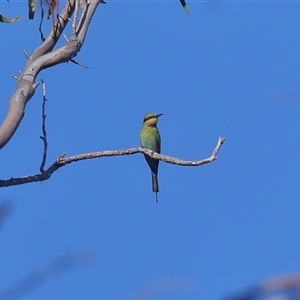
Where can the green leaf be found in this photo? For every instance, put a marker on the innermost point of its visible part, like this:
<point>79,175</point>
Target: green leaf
<point>9,20</point>
<point>31,8</point>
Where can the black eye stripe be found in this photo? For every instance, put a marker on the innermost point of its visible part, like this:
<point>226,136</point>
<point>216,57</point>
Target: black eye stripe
<point>148,118</point>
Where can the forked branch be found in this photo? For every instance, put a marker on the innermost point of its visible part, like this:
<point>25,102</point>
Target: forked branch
<point>45,57</point>
<point>62,161</point>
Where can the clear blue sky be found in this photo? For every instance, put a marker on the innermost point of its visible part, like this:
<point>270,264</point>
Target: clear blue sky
<point>230,70</point>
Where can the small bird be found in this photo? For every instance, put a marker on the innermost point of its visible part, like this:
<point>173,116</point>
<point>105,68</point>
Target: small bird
<point>150,139</point>
<point>183,3</point>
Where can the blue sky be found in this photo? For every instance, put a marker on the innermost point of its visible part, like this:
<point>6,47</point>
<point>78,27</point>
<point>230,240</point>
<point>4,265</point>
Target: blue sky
<point>230,70</point>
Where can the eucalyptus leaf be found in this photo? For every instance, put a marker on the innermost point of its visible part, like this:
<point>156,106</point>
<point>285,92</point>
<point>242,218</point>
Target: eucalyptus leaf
<point>9,20</point>
<point>31,8</point>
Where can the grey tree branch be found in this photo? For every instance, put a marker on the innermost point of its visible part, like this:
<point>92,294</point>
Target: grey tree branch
<point>62,161</point>
<point>43,57</point>
<point>44,136</point>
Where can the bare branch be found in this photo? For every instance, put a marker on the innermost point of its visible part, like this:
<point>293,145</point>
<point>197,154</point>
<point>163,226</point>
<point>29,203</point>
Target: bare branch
<point>35,85</point>
<point>62,161</point>
<point>26,54</point>
<point>44,136</point>
<point>43,57</point>
<point>55,33</point>
<point>65,37</point>
<point>78,63</point>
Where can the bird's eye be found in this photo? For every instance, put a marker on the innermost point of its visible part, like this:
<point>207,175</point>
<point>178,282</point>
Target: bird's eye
<point>148,117</point>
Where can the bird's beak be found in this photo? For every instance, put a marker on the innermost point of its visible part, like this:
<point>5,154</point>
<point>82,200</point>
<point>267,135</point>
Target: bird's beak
<point>158,115</point>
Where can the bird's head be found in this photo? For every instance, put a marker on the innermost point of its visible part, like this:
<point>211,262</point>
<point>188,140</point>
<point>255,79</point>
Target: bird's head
<point>151,119</point>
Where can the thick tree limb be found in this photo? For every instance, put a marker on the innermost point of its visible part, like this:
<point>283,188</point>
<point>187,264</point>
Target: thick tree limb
<point>43,57</point>
<point>62,161</point>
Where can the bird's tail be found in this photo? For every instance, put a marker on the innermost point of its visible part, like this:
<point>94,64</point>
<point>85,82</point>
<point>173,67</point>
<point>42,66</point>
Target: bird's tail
<point>155,186</point>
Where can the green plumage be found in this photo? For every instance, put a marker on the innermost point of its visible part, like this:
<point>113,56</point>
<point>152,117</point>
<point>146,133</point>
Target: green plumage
<point>150,139</point>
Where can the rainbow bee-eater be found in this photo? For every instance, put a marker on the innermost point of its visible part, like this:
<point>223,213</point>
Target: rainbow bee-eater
<point>183,3</point>
<point>150,139</point>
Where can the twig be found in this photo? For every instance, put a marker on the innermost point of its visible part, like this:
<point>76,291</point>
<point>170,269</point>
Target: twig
<point>62,161</point>
<point>25,53</point>
<point>44,136</point>
<point>41,22</point>
<point>78,63</point>
<point>35,85</point>
<point>65,37</point>
<point>42,58</point>
<point>75,18</point>
<point>82,5</point>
